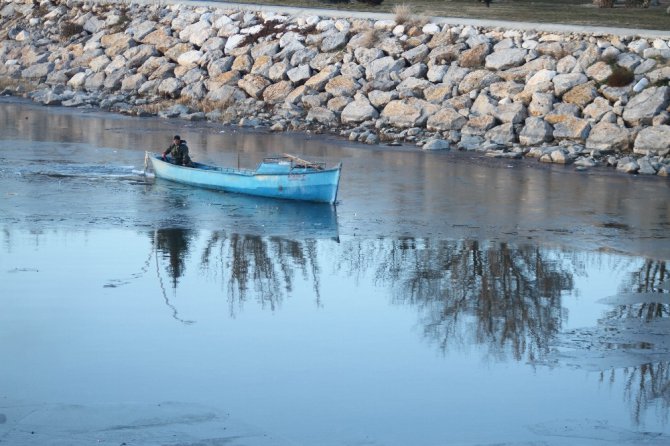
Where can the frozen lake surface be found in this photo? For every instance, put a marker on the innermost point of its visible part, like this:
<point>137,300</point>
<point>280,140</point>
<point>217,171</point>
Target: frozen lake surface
<point>446,299</point>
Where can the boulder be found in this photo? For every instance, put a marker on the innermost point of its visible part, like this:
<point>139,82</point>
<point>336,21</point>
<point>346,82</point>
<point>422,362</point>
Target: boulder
<point>597,109</point>
<point>379,98</point>
<point>37,72</point>
<point>502,134</point>
<point>436,73</point>
<point>299,74</point>
<point>477,80</point>
<point>253,85</point>
<point>446,119</point>
<point>514,112</point>
<point>581,95</point>
<point>479,125</point>
<point>334,42</point>
<point>133,82</point>
<point>195,91</point>
<point>138,55</point>
<point>474,57</point>
<point>342,86</point>
<point>417,54</point>
<point>227,94</point>
<point>535,131</point>
<point>565,82</point>
<point>541,104</point>
<point>607,137</point>
<point>278,71</point>
<point>642,108</point>
<point>321,115</point>
<point>506,58</point>
<point>653,141</point>
<point>572,128</point>
<point>358,111</point>
<point>190,59</point>
<point>197,33</point>
<point>277,92</point>
<point>437,93</point>
<point>407,113</point>
<point>319,80</point>
<point>599,71</point>
<point>170,87</point>
<point>436,144</point>
<point>383,68</point>
<point>262,65</point>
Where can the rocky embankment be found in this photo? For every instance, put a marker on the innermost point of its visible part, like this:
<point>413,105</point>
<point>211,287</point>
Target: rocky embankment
<point>583,99</point>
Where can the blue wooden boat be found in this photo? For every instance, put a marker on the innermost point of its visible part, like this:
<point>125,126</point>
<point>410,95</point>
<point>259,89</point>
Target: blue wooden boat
<point>286,176</point>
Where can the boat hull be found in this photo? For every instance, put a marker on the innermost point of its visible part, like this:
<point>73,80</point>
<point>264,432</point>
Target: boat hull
<point>299,184</point>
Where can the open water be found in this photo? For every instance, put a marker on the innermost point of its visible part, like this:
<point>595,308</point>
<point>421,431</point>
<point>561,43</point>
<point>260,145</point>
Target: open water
<point>446,299</point>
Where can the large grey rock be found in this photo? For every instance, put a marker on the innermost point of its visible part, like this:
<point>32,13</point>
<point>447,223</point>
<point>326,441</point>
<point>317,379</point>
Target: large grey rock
<point>137,55</point>
<point>278,92</point>
<point>413,87</point>
<point>190,59</point>
<point>94,25</point>
<point>653,141</point>
<point>195,91</point>
<point>436,144</point>
<point>226,95</point>
<point>514,112</point>
<point>642,108</point>
<point>599,71</point>
<point>541,104</point>
<point>321,115</point>
<point>170,87</point>
<point>253,85</point>
<point>334,42</point>
<point>506,58</point>
<point>477,80</point>
<point>437,93</point>
<point>142,29</point>
<point>445,119</point>
<point>483,105</point>
<point>342,86</point>
<point>418,71</point>
<point>416,54</point>
<point>197,33</point>
<point>581,95</point>
<point>299,74</point>
<point>572,128</point>
<point>535,131</point>
<point>597,109</point>
<point>502,134</point>
<point>565,82</point>
<point>37,72</point>
<point>606,137</point>
<point>358,111</point>
<point>383,68</point>
<point>436,73</point>
<point>379,98</point>
<point>408,113</point>
<point>320,79</point>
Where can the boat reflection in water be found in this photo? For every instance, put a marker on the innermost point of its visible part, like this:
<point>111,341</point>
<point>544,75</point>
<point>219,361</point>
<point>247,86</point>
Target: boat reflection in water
<point>264,242</point>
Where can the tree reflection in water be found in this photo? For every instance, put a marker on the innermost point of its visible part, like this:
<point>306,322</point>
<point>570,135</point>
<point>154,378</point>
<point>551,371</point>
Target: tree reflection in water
<point>505,297</point>
<point>264,265</point>
<point>649,383</point>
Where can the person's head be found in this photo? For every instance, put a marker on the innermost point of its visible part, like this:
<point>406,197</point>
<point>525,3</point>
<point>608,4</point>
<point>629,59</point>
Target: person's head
<point>176,139</point>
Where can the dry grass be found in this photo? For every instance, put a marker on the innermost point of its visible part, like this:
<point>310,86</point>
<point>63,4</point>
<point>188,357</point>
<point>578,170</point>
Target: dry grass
<point>576,12</point>
<point>21,85</point>
<point>404,15</point>
<point>620,77</point>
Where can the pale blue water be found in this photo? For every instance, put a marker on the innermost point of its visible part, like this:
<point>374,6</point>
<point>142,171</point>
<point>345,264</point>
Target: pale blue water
<point>406,315</point>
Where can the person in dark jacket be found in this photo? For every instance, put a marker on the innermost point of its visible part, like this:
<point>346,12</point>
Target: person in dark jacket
<point>179,152</point>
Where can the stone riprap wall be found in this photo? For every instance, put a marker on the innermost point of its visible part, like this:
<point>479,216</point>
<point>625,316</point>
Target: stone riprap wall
<point>583,99</point>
